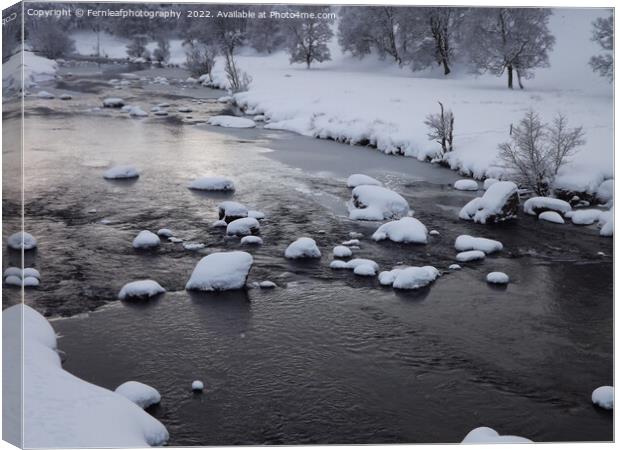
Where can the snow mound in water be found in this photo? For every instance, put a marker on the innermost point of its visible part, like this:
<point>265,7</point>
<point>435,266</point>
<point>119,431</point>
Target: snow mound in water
<point>454,267</point>
<point>13,280</point>
<point>606,222</point>
<point>141,394</point>
<point>353,264</point>
<point>407,229</point>
<point>231,122</point>
<point>21,240</point>
<point>258,215</point>
<point>243,227</point>
<point>605,191</point>
<point>221,271</point>
<point>376,203</point>
<point>45,95</point>
<point>267,284</point>
<point>498,278</point>
<point>485,435</point>
<point>304,247</point>
<point>31,282</point>
<point>165,232</point>
<point>192,246</point>
<point>136,111</point>
<point>551,216</point>
<point>146,239</point>
<point>341,251</point>
<point>488,182</point>
<point>251,240</point>
<point>409,277</point>
<point>359,179</point>
<point>603,397</point>
<point>140,290</point>
<point>585,216</point>
<point>197,385</point>
<point>87,416</point>
<point>113,102</point>
<point>465,242</point>
<point>365,270</point>
<point>498,203</point>
<point>230,211</point>
<point>121,172</point>
<point>219,224</point>
<point>536,205</point>
<point>471,255</point>
<point>466,185</point>
<point>212,184</point>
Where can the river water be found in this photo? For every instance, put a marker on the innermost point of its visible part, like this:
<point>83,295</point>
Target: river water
<point>325,357</point>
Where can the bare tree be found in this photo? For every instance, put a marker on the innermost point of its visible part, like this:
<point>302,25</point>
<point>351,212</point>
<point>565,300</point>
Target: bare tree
<point>537,151</point>
<point>200,58</point>
<point>49,38</point>
<point>308,36</point>
<point>441,129</point>
<point>603,34</point>
<point>162,53</point>
<point>137,47</point>
<point>238,79</point>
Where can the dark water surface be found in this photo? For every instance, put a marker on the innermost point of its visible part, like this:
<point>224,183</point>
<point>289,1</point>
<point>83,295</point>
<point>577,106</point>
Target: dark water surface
<point>326,357</point>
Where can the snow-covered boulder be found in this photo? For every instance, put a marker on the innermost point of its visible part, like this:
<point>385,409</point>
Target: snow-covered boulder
<point>351,242</point>
<point>605,191</point>
<point>365,270</point>
<point>488,182</point>
<point>45,95</point>
<point>471,255</point>
<point>243,227</point>
<point>536,205</point>
<point>359,179</point>
<point>466,185</point>
<point>21,241</point>
<point>165,232</point>
<point>353,264</point>
<point>146,239</point>
<point>606,222</point>
<point>193,246</point>
<point>251,240</point>
<point>136,111</point>
<point>121,172</point>
<point>13,280</point>
<point>12,271</point>
<point>407,230</point>
<point>465,242</point>
<point>221,271</point>
<point>31,272</point>
<point>267,284</point>
<point>585,216</point>
<point>184,109</point>
<point>30,282</point>
<point>603,397</point>
<point>409,277</point>
<point>341,251</point>
<point>498,278</point>
<point>219,224</point>
<point>212,184</point>
<point>113,102</point>
<point>551,216</point>
<point>500,202</point>
<point>376,203</point>
<point>304,247</point>
<point>454,267</point>
<point>230,211</point>
<point>140,290</point>
<point>258,215</point>
<point>485,435</point>
<point>197,386</point>
<point>231,122</point>
<point>141,394</point>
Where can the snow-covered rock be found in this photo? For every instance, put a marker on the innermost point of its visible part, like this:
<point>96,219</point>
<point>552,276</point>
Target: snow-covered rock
<point>359,179</point>
<point>351,242</point>
<point>409,277</point>
<point>488,182</point>
<point>536,205</point>
<point>231,122</point>
<point>230,211</point>
<point>466,185</point>
<point>365,270</point>
<point>471,255</point>
<point>606,222</point>
<point>193,246</point>
<point>146,239</point>
<point>13,280</point>
<point>65,97</point>
<point>113,102</point>
<point>485,435</point>
<point>243,227</point>
<point>212,184</point>
<point>221,271</point>
<point>605,191</point>
<point>498,278</point>
<point>465,242</point>
<point>184,109</point>
<point>258,215</point>
<point>500,202</point>
<point>141,394</point>
<point>136,111</point>
<point>21,240</point>
<point>353,264</point>
<point>603,397</point>
<point>45,95</point>
<point>376,203</point>
<point>31,282</point>
<point>551,216</point>
<point>140,290</point>
<point>454,267</point>
<point>433,233</point>
<point>341,251</point>
<point>12,271</point>
<point>267,284</point>
<point>251,240</point>
<point>197,385</point>
<point>31,272</point>
<point>219,224</point>
<point>585,216</point>
<point>121,172</point>
<point>59,409</point>
<point>304,247</point>
<point>407,230</point>
<point>165,232</point>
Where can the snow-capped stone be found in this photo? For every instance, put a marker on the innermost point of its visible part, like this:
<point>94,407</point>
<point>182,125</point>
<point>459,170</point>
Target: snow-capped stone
<point>338,264</point>
<point>140,290</point>
<point>21,240</point>
<point>351,242</point>
<point>251,240</point>
<point>65,97</point>
<point>434,233</point>
<point>136,111</point>
<point>226,99</point>
<point>498,278</point>
<point>341,251</point>
<point>409,277</point>
<point>376,203</point>
<point>466,185</point>
<point>146,239</point>
<point>12,271</point>
<point>465,242</point>
<point>193,246</point>
<point>230,211</point>
<point>499,203</point>
<point>221,271</point>
<point>191,80</point>
<point>551,216</point>
<point>536,205</point>
<point>267,284</point>
<point>184,109</point>
<point>175,240</point>
<point>359,179</point>
<point>113,102</point>
<point>13,280</point>
<point>585,216</point>
<point>485,435</point>
<point>141,394</point>
<point>212,184</point>
<point>31,282</point>
<point>605,191</point>
<point>164,104</point>
<point>31,272</point>
<point>45,95</point>
<point>454,267</point>
<point>407,230</point>
<point>258,215</point>
<point>488,182</point>
<point>165,232</point>
<point>355,234</point>
<point>365,270</point>
<point>471,255</point>
<point>603,397</point>
<point>243,227</point>
<point>160,113</point>
<point>197,385</point>
<point>231,122</point>
<point>606,222</point>
<point>304,247</point>
<point>219,224</point>
<point>354,263</point>
<point>121,172</point>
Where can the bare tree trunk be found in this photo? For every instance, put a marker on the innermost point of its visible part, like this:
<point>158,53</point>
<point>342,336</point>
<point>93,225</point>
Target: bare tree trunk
<point>519,79</point>
<point>510,77</point>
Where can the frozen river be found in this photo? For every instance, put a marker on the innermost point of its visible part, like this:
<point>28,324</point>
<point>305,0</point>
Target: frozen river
<point>326,357</point>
